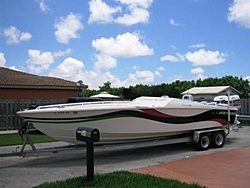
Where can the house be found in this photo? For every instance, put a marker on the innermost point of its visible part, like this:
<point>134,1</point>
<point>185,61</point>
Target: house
<point>208,93</point>
<point>19,85</point>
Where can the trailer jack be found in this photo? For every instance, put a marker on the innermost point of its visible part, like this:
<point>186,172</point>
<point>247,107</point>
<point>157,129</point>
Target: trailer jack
<point>23,132</point>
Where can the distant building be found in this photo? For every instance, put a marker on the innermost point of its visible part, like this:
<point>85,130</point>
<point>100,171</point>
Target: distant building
<point>208,93</point>
<point>20,85</point>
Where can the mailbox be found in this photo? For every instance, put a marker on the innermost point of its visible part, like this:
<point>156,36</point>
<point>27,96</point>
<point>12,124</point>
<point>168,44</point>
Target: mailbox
<point>87,134</point>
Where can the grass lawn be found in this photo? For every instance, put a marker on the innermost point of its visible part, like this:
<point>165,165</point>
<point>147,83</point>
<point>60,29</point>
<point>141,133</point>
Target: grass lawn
<point>120,179</point>
<point>15,139</point>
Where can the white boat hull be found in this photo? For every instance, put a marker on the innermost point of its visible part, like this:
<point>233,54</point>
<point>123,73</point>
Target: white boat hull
<point>127,121</point>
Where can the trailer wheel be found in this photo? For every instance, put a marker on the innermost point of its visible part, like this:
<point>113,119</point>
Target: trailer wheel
<point>218,139</point>
<point>204,142</point>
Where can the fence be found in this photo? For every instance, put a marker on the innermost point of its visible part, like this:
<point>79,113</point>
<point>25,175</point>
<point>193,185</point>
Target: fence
<point>245,110</point>
<point>9,120</point>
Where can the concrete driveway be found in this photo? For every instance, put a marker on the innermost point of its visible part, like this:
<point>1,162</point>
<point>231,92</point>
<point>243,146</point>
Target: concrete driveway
<point>33,170</point>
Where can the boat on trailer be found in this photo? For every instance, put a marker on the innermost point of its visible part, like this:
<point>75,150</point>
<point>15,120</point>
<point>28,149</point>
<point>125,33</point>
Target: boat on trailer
<point>143,118</point>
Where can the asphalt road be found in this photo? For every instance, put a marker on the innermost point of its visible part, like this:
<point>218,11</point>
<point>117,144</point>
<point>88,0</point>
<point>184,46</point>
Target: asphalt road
<point>18,172</point>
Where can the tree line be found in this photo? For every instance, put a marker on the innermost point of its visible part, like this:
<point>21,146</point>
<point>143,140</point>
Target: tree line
<point>173,89</point>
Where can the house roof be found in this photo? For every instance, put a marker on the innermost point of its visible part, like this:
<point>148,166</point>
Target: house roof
<point>209,90</point>
<point>9,77</point>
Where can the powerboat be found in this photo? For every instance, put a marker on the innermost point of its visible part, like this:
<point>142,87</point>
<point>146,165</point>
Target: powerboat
<point>128,121</point>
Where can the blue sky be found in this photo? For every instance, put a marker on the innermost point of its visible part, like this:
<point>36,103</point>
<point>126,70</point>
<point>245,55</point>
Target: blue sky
<point>126,42</point>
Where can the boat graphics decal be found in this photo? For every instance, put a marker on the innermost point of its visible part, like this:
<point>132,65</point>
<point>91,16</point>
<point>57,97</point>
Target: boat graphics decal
<point>220,116</point>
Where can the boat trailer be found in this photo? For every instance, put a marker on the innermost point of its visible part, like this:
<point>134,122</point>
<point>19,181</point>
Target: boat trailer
<point>202,138</point>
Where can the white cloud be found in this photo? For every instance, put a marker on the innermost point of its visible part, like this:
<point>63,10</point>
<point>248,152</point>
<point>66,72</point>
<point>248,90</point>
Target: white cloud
<point>172,22</point>
<point>138,12</point>
<point>105,62</point>
<point>68,69</point>
<point>129,13</point>
<point>177,58</point>
<point>16,69</point>
<point>39,61</point>
<point>205,58</point>
<point>199,76</point>
<point>125,45</point>
<point>197,70</point>
<point>14,36</point>
<point>42,6</point>
<point>247,78</point>
<point>72,69</point>
<point>157,73</point>
<point>67,28</point>
<point>136,15</point>
<point>145,76</point>
<point>161,68</point>
<point>199,45</point>
<point>138,77</point>
<point>61,53</point>
<point>169,58</point>
<point>239,12</point>
<point>96,78</point>
<point>2,60</point>
<point>101,12</point>
<point>140,3</point>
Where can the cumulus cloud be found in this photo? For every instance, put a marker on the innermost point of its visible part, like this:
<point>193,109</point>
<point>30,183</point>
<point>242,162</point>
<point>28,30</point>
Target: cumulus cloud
<point>39,61</point>
<point>177,58</point>
<point>138,77</point>
<point>105,61</point>
<point>68,69</point>
<point>145,76</point>
<point>138,12</point>
<point>72,69</point>
<point>205,58</point>
<point>129,13</point>
<point>2,60</point>
<point>15,36</point>
<point>197,70</point>
<point>96,78</point>
<point>61,53</point>
<point>199,76</point>
<point>67,28</point>
<point>239,12</point>
<point>124,45</point>
<point>101,12</point>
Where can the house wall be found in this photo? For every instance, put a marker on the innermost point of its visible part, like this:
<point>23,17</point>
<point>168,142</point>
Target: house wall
<point>14,93</point>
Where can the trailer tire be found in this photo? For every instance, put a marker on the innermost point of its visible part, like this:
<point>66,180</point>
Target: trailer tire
<point>204,142</point>
<point>218,139</point>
